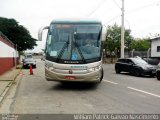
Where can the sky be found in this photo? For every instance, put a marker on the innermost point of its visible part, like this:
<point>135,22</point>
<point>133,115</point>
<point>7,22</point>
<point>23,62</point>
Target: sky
<point>141,16</point>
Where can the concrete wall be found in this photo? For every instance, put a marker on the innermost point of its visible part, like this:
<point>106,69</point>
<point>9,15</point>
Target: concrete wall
<point>154,45</point>
<point>8,55</point>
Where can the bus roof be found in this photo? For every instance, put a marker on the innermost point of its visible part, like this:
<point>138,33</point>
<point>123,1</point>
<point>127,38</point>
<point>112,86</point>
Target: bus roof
<point>75,21</point>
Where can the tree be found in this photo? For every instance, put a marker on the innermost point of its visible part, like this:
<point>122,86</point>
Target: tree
<point>141,44</point>
<point>113,39</point>
<point>18,34</point>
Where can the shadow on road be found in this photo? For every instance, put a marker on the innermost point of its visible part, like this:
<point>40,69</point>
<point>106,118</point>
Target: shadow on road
<point>142,76</point>
<point>76,86</point>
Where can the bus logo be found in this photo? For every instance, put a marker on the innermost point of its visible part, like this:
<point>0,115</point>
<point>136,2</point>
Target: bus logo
<point>70,72</point>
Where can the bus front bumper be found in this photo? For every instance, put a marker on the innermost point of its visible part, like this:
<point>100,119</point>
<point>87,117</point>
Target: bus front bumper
<point>88,77</point>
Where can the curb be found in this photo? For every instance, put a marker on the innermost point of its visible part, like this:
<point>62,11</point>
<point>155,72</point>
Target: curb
<point>7,88</point>
<point>5,92</point>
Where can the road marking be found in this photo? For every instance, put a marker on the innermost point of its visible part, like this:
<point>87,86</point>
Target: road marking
<point>110,82</point>
<point>144,92</point>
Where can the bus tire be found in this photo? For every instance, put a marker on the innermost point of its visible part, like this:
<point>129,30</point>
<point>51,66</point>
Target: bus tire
<point>101,78</point>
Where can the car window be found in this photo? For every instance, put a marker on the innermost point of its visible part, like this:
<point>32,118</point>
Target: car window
<point>122,60</point>
<point>139,61</point>
<point>129,61</point>
<point>29,56</point>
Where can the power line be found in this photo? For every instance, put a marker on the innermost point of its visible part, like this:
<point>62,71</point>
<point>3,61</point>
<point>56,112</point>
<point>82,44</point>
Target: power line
<point>143,7</point>
<point>114,18</point>
<point>96,8</point>
<point>133,10</point>
<point>116,4</point>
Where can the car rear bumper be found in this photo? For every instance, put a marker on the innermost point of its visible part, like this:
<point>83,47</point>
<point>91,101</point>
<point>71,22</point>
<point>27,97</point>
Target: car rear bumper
<point>28,64</point>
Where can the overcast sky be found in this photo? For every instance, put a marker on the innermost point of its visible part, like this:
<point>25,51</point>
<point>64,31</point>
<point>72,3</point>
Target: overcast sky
<point>141,16</point>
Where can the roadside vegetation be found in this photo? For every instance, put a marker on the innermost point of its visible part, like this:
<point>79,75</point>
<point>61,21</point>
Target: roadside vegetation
<point>111,45</point>
<point>17,34</point>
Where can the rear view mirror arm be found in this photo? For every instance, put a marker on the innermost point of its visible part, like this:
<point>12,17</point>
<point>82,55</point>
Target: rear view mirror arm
<point>41,31</point>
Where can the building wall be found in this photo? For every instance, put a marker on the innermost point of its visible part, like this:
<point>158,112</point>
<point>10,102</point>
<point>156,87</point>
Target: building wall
<point>154,45</point>
<point>8,55</point>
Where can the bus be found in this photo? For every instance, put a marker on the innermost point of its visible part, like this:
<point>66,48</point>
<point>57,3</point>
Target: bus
<point>73,50</point>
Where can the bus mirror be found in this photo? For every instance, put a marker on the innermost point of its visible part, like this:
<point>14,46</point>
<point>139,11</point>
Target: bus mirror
<point>40,32</point>
<point>104,32</point>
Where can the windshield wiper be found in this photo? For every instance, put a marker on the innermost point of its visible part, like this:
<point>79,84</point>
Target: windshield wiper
<point>61,52</point>
<point>80,52</point>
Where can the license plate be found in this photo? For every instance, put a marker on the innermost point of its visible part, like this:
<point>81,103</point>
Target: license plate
<point>70,77</point>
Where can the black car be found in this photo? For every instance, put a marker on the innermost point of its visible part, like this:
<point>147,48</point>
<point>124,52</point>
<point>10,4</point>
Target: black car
<point>135,66</point>
<point>158,72</point>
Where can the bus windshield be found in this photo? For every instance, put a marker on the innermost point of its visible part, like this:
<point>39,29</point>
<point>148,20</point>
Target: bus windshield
<point>77,43</point>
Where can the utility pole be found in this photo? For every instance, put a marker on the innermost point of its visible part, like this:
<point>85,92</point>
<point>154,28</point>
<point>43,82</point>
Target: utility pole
<point>122,31</point>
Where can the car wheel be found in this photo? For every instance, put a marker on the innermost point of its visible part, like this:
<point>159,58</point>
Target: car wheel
<point>158,75</point>
<point>152,75</point>
<point>117,71</point>
<point>34,66</point>
<point>136,73</point>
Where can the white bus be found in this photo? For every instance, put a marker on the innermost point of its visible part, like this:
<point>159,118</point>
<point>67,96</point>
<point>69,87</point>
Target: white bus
<point>73,50</point>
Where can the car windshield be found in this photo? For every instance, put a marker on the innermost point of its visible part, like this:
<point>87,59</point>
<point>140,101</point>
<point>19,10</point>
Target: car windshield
<point>29,56</point>
<point>139,61</point>
<point>74,42</point>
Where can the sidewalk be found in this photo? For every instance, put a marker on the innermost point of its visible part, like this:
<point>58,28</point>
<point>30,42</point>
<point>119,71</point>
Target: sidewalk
<point>9,75</point>
<point>6,80</point>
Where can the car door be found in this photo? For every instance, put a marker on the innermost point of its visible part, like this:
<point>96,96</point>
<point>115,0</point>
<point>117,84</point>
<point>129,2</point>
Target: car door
<point>121,64</point>
<point>129,65</point>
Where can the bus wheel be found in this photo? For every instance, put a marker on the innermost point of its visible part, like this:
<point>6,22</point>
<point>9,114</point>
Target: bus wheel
<point>101,78</point>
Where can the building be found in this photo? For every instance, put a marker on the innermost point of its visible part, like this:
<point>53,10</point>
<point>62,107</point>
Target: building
<point>8,54</point>
<point>155,47</point>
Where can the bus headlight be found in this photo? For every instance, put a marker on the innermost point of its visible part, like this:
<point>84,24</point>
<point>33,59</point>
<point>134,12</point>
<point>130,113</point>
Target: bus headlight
<point>51,69</point>
<point>91,69</point>
<point>94,69</point>
<point>49,66</point>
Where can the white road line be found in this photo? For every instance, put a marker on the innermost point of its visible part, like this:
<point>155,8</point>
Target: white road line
<point>144,92</point>
<point>110,82</point>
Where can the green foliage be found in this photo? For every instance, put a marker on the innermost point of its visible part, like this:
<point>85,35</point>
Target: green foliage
<point>18,34</point>
<point>113,39</point>
<point>141,44</point>
<point>21,53</point>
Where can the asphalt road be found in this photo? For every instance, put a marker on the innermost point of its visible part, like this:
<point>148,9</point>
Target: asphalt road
<point>118,93</point>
